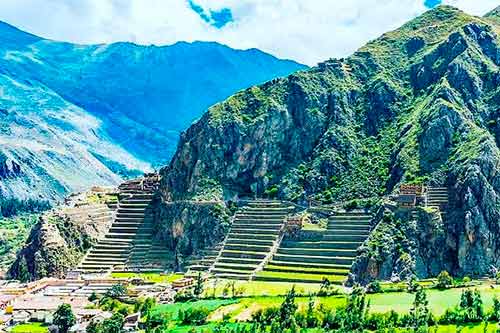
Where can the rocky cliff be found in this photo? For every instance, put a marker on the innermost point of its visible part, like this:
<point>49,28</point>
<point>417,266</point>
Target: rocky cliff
<point>187,228</point>
<point>60,239</point>
<point>418,104</point>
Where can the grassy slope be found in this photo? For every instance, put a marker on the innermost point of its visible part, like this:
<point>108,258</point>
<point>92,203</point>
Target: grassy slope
<point>13,233</point>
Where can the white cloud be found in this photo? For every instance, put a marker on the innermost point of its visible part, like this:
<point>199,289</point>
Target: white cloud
<point>307,31</point>
<point>475,7</point>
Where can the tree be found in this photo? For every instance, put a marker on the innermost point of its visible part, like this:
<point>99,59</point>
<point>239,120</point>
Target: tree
<point>113,324</point>
<point>288,308</point>
<point>311,319</point>
<point>93,327</point>
<point>444,280</point>
<point>355,311</point>
<point>116,291</point>
<point>420,310</point>
<point>198,287</point>
<point>471,306</point>
<point>23,273</point>
<point>495,315</point>
<point>64,318</point>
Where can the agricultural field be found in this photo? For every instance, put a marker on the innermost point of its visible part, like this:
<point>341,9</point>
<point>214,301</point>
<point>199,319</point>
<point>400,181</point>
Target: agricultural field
<point>237,312</point>
<point>30,328</point>
<point>148,276</point>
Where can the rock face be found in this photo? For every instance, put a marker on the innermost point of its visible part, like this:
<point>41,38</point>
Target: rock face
<point>187,228</point>
<point>54,246</point>
<point>59,241</point>
<point>401,246</point>
<point>72,116</point>
<point>418,104</point>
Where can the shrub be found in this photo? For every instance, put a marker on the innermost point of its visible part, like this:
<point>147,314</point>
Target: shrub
<point>444,280</point>
<point>116,291</point>
<point>272,192</point>
<point>350,205</point>
<point>193,316</point>
<point>374,287</point>
<point>265,316</point>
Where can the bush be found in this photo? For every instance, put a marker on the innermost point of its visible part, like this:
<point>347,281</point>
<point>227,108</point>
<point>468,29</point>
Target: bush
<point>444,280</point>
<point>374,287</point>
<point>265,316</point>
<point>451,316</point>
<point>193,316</point>
<point>116,291</point>
<point>272,192</point>
<point>350,205</point>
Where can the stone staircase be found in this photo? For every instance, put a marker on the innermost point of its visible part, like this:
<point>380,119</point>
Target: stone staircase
<point>204,261</point>
<point>256,230</point>
<point>330,256</point>
<point>437,197</point>
<point>128,238</point>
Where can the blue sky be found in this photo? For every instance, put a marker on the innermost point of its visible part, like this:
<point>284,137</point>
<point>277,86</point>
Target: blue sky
<point>307,31</point>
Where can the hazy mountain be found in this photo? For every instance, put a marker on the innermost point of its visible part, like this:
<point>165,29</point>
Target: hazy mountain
<point>75,115</point>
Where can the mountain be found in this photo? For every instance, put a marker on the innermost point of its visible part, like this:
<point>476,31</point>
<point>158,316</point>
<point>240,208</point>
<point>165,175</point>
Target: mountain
<point>420,104</point>
<point>76,115</point>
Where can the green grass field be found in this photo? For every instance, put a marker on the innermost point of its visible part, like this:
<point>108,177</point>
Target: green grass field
<point>261,288</point>
<point>30,328</point>
<point>401,302</point>
<point>302,276</point>
<point>153,277</point>
<point>172,310</point>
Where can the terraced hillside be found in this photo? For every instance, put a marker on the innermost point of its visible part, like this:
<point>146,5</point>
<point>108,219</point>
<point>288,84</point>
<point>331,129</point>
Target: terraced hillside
<point>254,234</point>
<point>330,256</point>
<point>128,242</point>
<point>204,261</point>
<point>437,197</point>
<point>130,233</point>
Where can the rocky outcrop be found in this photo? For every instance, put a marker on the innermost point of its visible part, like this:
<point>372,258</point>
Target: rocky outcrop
<point>54,245</point>
<point>401,246</point>
<point>187,228</point>
<point>418,104</point>
<point>61,238</point>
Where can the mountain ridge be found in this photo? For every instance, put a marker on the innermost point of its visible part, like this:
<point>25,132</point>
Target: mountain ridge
<point>139,98</point>
<point>417,105</point>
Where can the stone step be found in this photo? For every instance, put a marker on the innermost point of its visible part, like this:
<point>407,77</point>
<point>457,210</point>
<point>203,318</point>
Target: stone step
<point>218,271</point>
<point>330,232</point>
<point>244,235</point>
<point>233,276</point>
<point>107,253</point>
<point>268,216</point>
<point>321,244</point>
<point>340,237</point>
<point>349,222</point>
<point>308,270</point>
<point>243,254</point>
<point>111,247</point>
<point>314,259</point>
<point>121,235</point>
<point>245,247</point>
<point>356,228</point>
<point>127,224</point>
<point>243,261</point>
<point>244,220</point>
<point>250,241</point>
<point>298,264</point>
<point>318,252</point>
<point>238,230</point>
<point>240,267</point>
<point>256,226</point>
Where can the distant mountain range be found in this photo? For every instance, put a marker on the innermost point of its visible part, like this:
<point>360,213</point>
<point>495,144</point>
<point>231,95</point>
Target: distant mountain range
<point>72,116</point>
